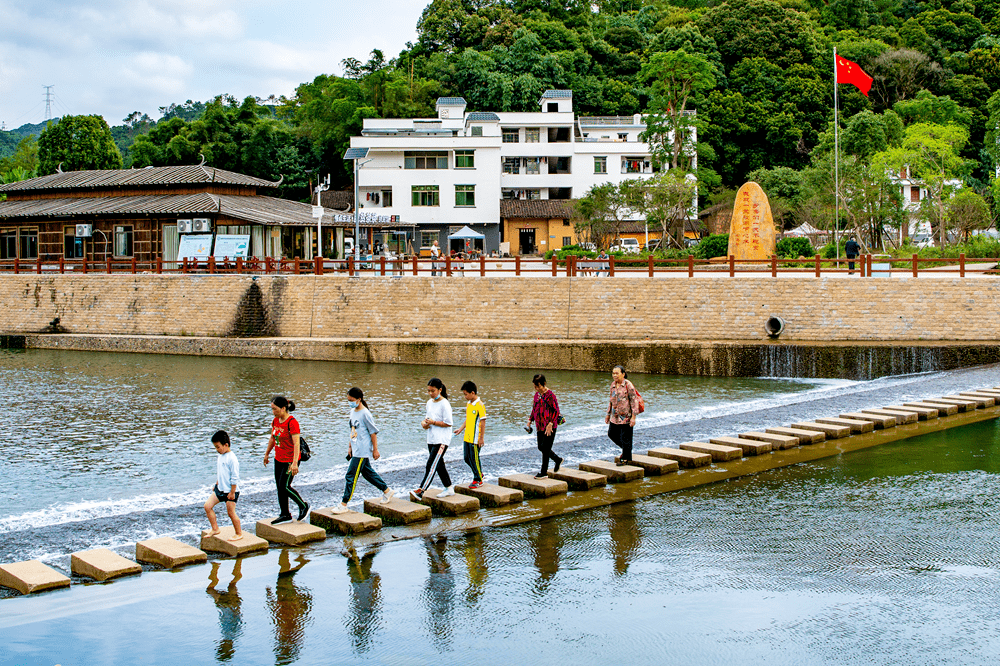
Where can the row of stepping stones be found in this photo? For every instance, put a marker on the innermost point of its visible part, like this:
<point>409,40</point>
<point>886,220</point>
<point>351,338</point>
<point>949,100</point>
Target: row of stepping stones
<point>103,564</point>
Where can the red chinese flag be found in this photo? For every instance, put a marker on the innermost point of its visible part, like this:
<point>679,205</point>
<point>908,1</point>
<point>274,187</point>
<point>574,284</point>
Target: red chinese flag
<point>851,72</point>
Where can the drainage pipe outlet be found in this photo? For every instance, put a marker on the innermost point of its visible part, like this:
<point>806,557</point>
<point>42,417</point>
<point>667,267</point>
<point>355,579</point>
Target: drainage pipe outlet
<point>774,326</point>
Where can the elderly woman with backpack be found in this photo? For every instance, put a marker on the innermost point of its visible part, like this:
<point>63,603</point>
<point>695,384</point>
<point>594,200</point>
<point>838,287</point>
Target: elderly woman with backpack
<point>624,404</point>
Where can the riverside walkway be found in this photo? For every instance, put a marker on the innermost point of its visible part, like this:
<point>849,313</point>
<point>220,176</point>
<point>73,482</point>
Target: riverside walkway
<point>519,498</point>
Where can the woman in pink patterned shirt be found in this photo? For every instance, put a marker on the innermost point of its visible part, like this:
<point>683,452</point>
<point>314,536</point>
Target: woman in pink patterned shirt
<point>623,405</point>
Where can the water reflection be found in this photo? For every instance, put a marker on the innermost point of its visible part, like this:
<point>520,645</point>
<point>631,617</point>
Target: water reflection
<point>291,609</point>
<point>546,543</point>
<point>626,536</point>
<point>439,592</point>
<point>365,616</point>
<point>230,615</point>
<point>475,566</point>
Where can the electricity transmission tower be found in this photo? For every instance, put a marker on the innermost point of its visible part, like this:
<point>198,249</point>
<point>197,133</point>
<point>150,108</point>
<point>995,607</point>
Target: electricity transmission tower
<point>48,102</point>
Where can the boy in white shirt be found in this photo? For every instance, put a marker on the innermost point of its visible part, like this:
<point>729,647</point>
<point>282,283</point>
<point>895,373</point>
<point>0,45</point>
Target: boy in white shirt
<point>227,474</point>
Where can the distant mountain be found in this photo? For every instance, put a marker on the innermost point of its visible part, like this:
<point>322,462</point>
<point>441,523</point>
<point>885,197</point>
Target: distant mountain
<point>10,138</point>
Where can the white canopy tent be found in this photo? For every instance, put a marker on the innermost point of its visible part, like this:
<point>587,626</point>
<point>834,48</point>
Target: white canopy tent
<point>465,233</point>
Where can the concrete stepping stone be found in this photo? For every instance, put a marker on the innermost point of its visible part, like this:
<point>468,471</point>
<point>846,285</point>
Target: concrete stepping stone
<point>982,401</point>
<point>718,452</point>
<point>168,553</point>
<point>685,459</point>
<point>778,442</point>
<point>102,564</point>
<point>398,511</point>
<point>452,505</point>
<point>901,417</point>
<point>857,426</point>
<point>806,435</point>
<point>289,534</point>
<point>923,413</point>
<point>653,466</point>
<point>830,430</point>
<point>963,405</point>
<point>750,447</point>
<point>31,576</point>
<point>991,400</point>
<point>220,543</point>
<point>881,422</point>
<point>615,474</point>
<point>532,487</point>
<point>577,479</point>
<point>491,496</point>
<point>943,409</point>
<point>348,523</point>
<point>991,392</point>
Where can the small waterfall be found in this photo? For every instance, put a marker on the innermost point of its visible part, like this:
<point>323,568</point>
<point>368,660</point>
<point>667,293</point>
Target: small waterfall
<point>862,362</point>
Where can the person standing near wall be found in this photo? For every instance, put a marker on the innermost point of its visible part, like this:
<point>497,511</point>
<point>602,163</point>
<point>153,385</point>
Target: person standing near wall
<point>623,406</point>
<point>285,442</point>
<point>852,250</point>
<point>545,416</point>
<point>437,423</point>
<point>435,256</point>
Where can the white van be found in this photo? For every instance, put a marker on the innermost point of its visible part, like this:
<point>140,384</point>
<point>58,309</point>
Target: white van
<point>627,245</point>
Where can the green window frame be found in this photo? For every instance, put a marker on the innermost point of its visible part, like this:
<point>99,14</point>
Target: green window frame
<point>465,159</point>
<point>477,130</point>
<point>465,196</point>
<point>511,135</point>
<point>600,165</point>
<point>425,195</point>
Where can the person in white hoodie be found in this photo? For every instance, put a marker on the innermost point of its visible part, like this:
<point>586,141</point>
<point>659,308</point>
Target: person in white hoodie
<point>437,423</point>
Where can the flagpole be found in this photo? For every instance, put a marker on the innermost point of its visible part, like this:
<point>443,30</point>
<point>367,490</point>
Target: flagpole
<point>836,159</point>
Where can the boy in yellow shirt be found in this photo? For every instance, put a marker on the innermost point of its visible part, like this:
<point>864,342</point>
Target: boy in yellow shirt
<point>475,431</point>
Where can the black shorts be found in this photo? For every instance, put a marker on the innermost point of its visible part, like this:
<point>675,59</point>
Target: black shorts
<point>224,497</point>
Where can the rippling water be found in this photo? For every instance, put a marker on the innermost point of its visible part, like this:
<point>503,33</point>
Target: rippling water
<point>888,555</point>
<point>98,435</point>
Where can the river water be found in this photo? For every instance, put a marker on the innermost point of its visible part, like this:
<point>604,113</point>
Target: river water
<point>888,555</point>
<point>108,449</point>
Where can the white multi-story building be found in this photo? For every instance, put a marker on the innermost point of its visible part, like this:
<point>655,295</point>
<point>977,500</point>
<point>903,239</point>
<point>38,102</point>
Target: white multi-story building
<point>452,171</point>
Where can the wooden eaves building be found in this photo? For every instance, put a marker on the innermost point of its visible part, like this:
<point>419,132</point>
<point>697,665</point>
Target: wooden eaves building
<point>134,213</point>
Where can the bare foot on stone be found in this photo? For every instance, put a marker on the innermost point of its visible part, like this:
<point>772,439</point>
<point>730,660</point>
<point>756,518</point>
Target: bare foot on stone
<point>211,533</point>
<point>236,537</point>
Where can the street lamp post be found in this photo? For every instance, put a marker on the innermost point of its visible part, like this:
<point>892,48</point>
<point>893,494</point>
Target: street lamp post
<point>357,154</point>
<point>321,186</point>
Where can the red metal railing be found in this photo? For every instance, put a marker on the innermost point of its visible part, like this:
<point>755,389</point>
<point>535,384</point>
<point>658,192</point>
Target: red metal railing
<point>864,266</point>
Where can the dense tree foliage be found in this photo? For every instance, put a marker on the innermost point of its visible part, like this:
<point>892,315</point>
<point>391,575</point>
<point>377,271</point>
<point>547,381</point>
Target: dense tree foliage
<point>77,143</point>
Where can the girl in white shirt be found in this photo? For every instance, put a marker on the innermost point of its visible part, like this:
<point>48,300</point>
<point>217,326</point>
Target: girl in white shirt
<point>437,423</point>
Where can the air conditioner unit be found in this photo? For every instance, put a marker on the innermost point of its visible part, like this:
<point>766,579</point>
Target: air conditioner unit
<point>202,225</point>
<point>184,226</point>
<point>84,230</point>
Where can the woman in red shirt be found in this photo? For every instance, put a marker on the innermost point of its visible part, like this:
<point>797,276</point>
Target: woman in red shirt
<point>285,442</point>
<point>545,416</point>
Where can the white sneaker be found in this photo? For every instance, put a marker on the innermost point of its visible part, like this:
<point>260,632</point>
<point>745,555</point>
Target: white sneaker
<point>387,496</point>
<point>447,492</point>
<point>340,508</point>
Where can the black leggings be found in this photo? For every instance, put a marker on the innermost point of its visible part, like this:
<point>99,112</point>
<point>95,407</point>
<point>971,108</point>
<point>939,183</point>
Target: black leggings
<point>621,434</point>
<point>283,480</point>
<point>545,443</point>
<point>432,452</point>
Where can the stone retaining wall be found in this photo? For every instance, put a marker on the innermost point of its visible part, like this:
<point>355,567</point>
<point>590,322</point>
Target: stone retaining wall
<point>625,309</point>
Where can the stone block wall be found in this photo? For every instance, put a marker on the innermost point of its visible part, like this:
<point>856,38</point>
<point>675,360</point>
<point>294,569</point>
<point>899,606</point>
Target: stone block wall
<point>608,309</point>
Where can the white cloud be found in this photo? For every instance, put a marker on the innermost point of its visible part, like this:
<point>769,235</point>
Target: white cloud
<point>118,56</point>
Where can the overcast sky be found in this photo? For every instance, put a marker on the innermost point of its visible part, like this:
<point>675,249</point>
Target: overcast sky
<point>119,56</point>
